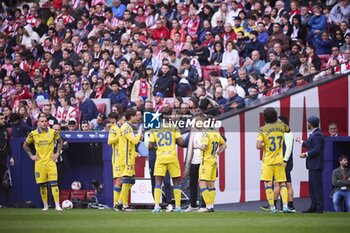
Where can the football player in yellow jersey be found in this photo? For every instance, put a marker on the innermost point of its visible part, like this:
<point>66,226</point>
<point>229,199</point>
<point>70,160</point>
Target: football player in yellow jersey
<point>271,138</point>
<point>164,141</point>
<point>127,154</point>
<point>45,165</point>
<point>113,140</point>
<point>211,145</point>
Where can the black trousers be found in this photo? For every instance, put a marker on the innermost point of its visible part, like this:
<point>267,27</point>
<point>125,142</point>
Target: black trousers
<point>194,175</point>
<point>3,165</point>
<point>316,189</point>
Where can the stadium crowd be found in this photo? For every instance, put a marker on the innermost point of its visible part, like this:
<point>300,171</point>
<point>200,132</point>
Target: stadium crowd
<point>171,56</point>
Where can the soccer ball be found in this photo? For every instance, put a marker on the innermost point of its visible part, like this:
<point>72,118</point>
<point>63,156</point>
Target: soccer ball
<point>67,204</point>
<point>76,185</point>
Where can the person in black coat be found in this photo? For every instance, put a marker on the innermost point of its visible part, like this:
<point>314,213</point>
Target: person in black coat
<point>165,82</point>
<point>314,163</point>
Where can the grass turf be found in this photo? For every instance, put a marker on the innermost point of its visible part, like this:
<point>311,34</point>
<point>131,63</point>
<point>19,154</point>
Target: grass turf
<point>96,221</point>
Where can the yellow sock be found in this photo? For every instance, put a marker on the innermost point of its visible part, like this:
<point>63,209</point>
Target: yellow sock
<point>177,196</point>
<point>43,193</point>
<point>124,194</point>
<point>206,196</point>
<point>269,195</point>
<point>212,193</point>
<point>157,194</point>
<point>55,193</point>
<point>284,194</point>
<point>116,193</point>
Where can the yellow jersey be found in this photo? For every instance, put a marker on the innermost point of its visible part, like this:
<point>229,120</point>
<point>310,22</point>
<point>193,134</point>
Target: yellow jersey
<point>272,135</point>
<point>127,144</point>
<point>113,140</point>
<point>43,142</point>
<point>166,143</point>
<point>212,140</point>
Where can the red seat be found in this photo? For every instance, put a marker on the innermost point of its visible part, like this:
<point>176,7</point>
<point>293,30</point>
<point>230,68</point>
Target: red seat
<point>101,107</point>
<point>78,194</point>
<point>324,60</point>
<point>64,195</point>
<point>207,69</point>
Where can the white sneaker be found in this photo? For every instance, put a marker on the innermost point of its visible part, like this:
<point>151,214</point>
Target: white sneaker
<point>202,210</point>
<point>191,209</point>
<point>169,208</point>
<point>58,208</point>
<point>46,208</point>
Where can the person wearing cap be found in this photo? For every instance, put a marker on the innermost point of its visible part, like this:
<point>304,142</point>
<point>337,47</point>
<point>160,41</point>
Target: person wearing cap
<point>159,102</point>
<point>317,22</point>
<point>314,163</point>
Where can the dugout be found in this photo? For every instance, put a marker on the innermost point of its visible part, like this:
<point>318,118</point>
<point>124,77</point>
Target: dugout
<point>88,158</point>
<point>334,147</point>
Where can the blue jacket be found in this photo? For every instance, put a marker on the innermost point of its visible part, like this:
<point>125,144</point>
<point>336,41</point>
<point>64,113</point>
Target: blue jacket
<point>118,97</point>
<point>317,23</point>
<point>322,46</point>
<point>315,145</point>
<point>20,130</point>
<point>236,98</point>
<point>88,110</point>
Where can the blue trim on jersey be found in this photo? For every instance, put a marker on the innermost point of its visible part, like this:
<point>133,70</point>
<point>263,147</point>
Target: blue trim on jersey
<point>203,189</point>
<point>53,183</point>
<point>47,130</point>
<point>128,181</point>
<point>212,189</point>
<point>117,189</point>
<point>283,186</point>
<point>268,187</point>
<point>157,186</point>
<point>177,186</point>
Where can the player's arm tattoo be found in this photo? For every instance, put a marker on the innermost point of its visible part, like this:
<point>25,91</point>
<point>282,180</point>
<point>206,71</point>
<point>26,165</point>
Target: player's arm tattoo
<point>26,148</point>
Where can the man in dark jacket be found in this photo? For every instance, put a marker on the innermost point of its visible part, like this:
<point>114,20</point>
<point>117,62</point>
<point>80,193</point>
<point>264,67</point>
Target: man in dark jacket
<point>5,148</point>
<point>341,183</point>
<point>314,163</point>
<point>117,95</point>
<point>86,106</point>
<point>189,73</point>
<point>165,82</point>
<point>235,100</point>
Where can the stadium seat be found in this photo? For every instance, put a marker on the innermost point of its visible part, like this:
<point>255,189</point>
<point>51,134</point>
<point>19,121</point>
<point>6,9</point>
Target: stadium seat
<point>78,194</point>
<point>101,108</point>
<point>207,69</point>
<point>64,195</point>
<point>324,60</point>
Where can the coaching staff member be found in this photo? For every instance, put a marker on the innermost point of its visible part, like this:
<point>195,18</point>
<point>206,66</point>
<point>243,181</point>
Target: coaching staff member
<point>314,163</point>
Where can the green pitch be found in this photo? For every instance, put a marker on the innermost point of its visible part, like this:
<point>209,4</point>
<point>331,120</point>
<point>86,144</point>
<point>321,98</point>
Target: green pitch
<point>96,221</point>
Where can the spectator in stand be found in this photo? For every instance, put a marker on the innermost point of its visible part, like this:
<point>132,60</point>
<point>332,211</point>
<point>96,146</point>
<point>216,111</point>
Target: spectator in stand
<point>254,64</point>
<point>86,106</point>
<point>216,55</point>
<point>333,130</point>
<point>72,125</point>
<point>234,101</point>
<point>117,95</point>
<point>230,56</point>
<point>243,80</point>
<point>277,36</point>
<point>336,54</point>
<point>65,112</point>
<point>262,33</point>
<point>346,45</point>
<point>253,96</point>
<point>160,31</point>
<point>317,22</point>
<point>346,66</point>
<point>340,12</point>
<point>298,30</point>
<point>253,44</point>
<point>312,57</point>
<point>201,53</point>
<point>322,43</point>
<point>165,82</point>
<point>85,126</point>
<point>219,98</point>
<point>305,65</point>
